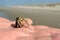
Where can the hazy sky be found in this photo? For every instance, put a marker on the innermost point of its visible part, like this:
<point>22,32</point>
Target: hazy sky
<point>24,2</point>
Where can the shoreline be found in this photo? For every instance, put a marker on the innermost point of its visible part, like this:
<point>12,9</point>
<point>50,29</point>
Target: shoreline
<point>56,8</point>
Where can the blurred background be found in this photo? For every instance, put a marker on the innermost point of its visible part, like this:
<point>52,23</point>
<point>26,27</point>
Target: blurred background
<point>42,12</point>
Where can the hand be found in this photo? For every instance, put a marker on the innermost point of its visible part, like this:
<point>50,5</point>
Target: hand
<point>7,32</point>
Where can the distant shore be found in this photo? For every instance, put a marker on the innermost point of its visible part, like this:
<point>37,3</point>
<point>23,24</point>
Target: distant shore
<point>44,7</point>
<point>57,7</point>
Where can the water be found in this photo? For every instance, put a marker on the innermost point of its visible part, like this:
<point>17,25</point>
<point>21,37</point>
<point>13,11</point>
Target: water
<point>39,17</point>
<point>2,14</point>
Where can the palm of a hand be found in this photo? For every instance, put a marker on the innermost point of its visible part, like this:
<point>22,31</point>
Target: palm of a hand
<point>7,32</point>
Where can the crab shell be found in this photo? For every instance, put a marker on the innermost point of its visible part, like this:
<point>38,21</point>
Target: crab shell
<point>20,22</point>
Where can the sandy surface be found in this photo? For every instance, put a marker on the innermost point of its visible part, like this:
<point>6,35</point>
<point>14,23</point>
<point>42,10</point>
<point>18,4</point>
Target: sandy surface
<point>57,7</point>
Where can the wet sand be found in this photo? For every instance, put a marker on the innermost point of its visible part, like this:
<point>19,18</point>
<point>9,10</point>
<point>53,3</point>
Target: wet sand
<point>39,16</point>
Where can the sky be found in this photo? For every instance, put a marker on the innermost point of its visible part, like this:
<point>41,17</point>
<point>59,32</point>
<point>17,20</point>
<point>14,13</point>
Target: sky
<point>25,2</point>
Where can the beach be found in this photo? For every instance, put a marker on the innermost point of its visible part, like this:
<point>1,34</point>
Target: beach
<point>49,16</point>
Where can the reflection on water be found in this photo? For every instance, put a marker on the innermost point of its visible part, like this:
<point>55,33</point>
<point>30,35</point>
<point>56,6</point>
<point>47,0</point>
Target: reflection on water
<point>49,18</point>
